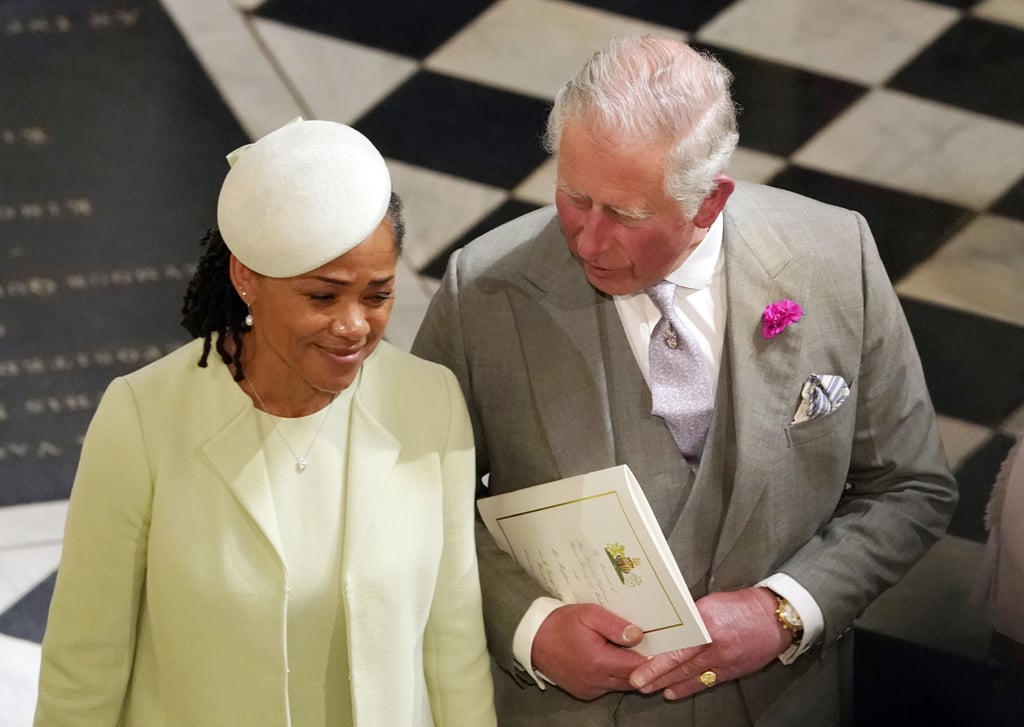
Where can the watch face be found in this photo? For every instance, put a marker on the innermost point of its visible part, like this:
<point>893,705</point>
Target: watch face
<point>789,614</point>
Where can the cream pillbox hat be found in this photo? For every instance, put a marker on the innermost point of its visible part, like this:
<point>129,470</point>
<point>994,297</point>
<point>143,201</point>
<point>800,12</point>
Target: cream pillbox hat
<point>302,196</point>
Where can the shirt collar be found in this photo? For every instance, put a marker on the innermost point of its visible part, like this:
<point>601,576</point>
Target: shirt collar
<point>697,269</point>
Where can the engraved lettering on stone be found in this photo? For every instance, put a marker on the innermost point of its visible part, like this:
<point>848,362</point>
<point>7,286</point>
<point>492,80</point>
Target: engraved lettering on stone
<point>43,209</point>
<point>24,136</point>
<point>25,450</point>
<point>128,356</point>
<point>105,20</point>
<point>80,206</point>
<point>58,404</point>
<point>30,287</point>
<point>97,20</point>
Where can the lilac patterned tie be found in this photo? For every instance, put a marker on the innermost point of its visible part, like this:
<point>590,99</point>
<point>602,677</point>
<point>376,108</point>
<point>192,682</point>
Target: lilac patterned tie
<point>680,384</point>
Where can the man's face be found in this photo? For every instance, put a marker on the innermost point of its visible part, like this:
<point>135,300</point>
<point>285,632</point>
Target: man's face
<point>616,218</point>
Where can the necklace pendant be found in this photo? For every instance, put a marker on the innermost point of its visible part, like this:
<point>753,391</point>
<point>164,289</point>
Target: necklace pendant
<point>301,464</point>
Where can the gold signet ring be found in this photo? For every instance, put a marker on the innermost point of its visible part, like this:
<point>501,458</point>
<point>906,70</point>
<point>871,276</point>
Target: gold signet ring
<point>708,678</point>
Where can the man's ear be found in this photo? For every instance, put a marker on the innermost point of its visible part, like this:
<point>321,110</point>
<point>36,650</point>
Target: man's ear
<point>715,202</point>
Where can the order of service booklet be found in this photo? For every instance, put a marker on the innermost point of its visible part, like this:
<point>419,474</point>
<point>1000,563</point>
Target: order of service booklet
<point>593,538</point>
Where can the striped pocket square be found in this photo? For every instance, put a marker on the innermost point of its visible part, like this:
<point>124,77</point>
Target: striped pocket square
<point>821,394</point>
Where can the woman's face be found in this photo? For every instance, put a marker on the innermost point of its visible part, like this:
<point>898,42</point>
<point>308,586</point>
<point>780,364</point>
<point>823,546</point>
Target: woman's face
<point>311,333</point>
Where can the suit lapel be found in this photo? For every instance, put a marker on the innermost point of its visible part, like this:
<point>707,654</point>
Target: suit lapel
<point>560,310</point>
<point>759,271</point>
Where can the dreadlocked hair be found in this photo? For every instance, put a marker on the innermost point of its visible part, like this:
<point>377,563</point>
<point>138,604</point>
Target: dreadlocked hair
<point>212,305</point>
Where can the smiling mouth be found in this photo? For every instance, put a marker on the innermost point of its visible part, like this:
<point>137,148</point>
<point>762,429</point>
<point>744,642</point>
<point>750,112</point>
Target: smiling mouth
<point>343,354</point>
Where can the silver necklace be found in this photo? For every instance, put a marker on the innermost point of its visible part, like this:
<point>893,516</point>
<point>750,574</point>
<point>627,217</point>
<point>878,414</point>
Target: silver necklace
<point>301,463</point>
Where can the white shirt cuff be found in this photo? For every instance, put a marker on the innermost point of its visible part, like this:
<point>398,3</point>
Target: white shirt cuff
<point>522,640</point>
<point>805,605</point>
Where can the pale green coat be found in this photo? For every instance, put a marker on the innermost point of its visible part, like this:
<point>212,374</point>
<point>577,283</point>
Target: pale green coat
<point>170,604</point>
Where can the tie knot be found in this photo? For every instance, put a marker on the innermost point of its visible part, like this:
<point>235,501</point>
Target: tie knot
<point>664,296</point>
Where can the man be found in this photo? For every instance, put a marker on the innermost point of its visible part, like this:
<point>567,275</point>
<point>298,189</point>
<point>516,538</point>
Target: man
<point>784,530</point>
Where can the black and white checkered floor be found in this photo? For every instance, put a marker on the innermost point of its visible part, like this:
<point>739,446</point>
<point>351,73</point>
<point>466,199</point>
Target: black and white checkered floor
<point>115,116</point>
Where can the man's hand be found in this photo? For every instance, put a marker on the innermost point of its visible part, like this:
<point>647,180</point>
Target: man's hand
<point>579,647</point>
<point>745,634</point>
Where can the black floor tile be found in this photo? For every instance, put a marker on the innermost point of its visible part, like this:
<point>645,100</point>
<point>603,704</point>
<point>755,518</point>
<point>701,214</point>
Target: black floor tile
<point>412,29</point>
<point>907,228</point>
<point>976,477</point>
<point>507,211</point>
<point>900,684</point>
<point>26,619</point>
<point>974,365</point>
<point>1012,203</point>
<point>962,4</point>
<point>672,13</point>
<point>976,64</point>
<point>461,128</point>
<point>781,107</point>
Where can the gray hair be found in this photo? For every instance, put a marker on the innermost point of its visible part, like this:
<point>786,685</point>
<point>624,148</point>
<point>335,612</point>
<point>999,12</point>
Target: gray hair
<point>647,89</point>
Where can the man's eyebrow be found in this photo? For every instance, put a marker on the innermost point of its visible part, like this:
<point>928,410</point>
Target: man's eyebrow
<point>563,187</point>
<point>631,213</point>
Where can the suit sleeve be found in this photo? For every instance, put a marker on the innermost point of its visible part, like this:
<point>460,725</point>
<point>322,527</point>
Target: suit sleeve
<point>900,494</point>
<point>89,645</point>
<point>508,591</point>
<point>455,649</point>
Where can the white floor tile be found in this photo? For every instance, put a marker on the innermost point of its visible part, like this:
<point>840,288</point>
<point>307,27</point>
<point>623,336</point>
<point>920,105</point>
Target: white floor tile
<point>23,568</point>
<point>754,166</point>
<point>960,439</point>
<point>864,41</point>
<point>411,299</point>
<point>533,46</point>
<point>220,37</point>
<point>1014,424</point>
<point>32,524</point>
<point>19,677</point>
<point>438,208</point>
<point>336,80</point>
<point>1010,12</point>
<point>539,187</point>
<point>981,270</point>
<point>907,143</point>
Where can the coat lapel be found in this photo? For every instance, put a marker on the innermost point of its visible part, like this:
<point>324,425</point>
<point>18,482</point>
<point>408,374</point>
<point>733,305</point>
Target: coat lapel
<point>237,456</point>
<point>372,453</point>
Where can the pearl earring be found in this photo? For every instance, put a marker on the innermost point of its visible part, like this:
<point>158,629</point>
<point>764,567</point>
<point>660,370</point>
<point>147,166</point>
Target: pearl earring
<point>248,320</point>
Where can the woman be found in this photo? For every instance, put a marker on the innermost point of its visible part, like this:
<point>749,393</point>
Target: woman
<point>283,533</point>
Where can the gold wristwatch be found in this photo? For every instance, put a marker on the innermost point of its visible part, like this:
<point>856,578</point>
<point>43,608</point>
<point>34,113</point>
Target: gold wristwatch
<point>789,619</point>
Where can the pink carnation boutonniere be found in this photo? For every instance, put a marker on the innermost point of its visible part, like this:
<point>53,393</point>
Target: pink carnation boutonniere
<point>778,316</point>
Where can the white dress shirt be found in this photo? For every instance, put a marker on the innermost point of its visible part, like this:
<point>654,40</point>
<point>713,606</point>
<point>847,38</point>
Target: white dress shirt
<point>701,304</point>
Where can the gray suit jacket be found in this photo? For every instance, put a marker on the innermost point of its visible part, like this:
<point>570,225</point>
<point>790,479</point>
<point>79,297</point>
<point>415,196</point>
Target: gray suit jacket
<point>844,504</point>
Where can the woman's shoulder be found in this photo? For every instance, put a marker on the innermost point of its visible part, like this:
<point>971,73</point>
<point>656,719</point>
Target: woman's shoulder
<point>179,361</point>
<point>398,361</point>
<point>402,375</point>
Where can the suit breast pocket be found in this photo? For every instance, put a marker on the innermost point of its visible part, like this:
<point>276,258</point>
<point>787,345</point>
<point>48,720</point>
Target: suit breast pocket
<point>814,429</point>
